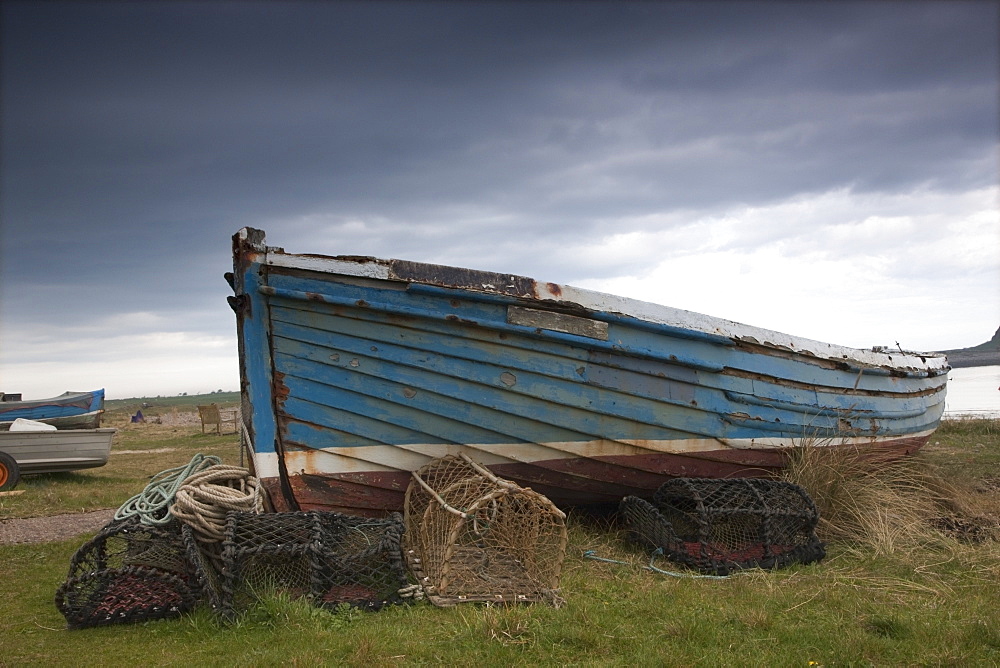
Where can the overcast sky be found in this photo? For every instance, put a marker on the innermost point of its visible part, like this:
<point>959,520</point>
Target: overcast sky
<point>829,170</point>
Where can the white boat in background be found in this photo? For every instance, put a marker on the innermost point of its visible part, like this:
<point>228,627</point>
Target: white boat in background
<point>55,451</point>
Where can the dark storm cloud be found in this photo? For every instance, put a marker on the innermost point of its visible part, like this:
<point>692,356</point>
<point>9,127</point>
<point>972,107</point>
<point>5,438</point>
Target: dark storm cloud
<point>138,136</point>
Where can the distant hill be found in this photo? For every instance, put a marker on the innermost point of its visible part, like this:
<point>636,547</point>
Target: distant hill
<point>985,354</point>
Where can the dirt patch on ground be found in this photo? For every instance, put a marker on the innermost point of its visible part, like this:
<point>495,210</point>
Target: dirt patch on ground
<point>172,419</point>
<point>53,527</point>
<point>177,419</point>
<point>158,423</point>
<point>154,451</point>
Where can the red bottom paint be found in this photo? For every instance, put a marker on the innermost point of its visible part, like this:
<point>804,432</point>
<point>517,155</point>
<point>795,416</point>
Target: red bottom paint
<point>566,482</point>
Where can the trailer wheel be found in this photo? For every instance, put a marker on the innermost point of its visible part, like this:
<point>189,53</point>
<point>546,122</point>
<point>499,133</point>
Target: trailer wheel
<point>10,474</point>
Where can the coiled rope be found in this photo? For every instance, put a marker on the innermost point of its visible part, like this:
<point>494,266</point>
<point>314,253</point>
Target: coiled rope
<point>152,504</point>
<point>206,497</point>
<point>414,591</point>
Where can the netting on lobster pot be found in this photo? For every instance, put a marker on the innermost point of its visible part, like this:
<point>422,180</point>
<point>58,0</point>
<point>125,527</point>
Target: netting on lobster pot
<point>471,536</point>
<point>327,557</point>
<point>129,572</point>
<point>720,525</point>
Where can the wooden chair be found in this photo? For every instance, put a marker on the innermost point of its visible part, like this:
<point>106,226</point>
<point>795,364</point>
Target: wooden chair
<point>211,417</point>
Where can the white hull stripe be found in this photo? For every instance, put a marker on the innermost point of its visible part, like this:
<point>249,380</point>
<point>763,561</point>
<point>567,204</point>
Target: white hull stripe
<point>410,457</point>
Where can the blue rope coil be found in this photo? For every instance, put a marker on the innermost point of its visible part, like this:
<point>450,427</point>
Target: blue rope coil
<point>152,504</point>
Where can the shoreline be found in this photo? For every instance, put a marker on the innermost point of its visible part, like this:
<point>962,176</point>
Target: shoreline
<point>960,360</point>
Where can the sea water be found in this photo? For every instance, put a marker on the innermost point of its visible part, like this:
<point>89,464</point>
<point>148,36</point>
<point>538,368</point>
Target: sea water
<point>973,391</point>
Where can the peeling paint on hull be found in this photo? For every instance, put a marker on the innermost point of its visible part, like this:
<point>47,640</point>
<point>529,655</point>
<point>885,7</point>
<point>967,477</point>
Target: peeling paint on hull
<point>356,371</point>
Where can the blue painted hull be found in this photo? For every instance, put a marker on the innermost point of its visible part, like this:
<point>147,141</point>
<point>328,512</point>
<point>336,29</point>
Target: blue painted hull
<point>70,410</point>
<point>357,371</point>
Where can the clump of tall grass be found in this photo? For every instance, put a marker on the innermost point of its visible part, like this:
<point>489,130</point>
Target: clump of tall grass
<point>970,427</point>
<point>886,506</point>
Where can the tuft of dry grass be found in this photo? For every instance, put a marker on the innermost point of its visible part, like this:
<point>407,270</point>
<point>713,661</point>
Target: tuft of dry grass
<point>506,625</point>
<point>887,506</point>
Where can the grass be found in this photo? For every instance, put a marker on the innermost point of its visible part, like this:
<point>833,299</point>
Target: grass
<point>160,404</point>
<point>915,600</point>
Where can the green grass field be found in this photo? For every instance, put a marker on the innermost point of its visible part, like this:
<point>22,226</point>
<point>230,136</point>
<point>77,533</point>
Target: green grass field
<point>923,598</point>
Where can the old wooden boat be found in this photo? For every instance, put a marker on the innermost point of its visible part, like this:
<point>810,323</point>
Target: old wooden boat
<point>53,451</point>
<point>356,371</point>
<point>70,410</point>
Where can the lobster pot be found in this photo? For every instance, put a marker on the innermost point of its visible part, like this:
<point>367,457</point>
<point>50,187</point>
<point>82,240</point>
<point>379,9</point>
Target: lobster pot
<point>129,572</point>
<point>329,558</point>
<point>471,536</point>
<point>718,526</point>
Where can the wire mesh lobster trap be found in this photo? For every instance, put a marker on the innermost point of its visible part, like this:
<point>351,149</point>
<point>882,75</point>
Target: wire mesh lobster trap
<point>471,536</point>
<point>721,525</point>
<point>329,558</point>
<point>129,572</point>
